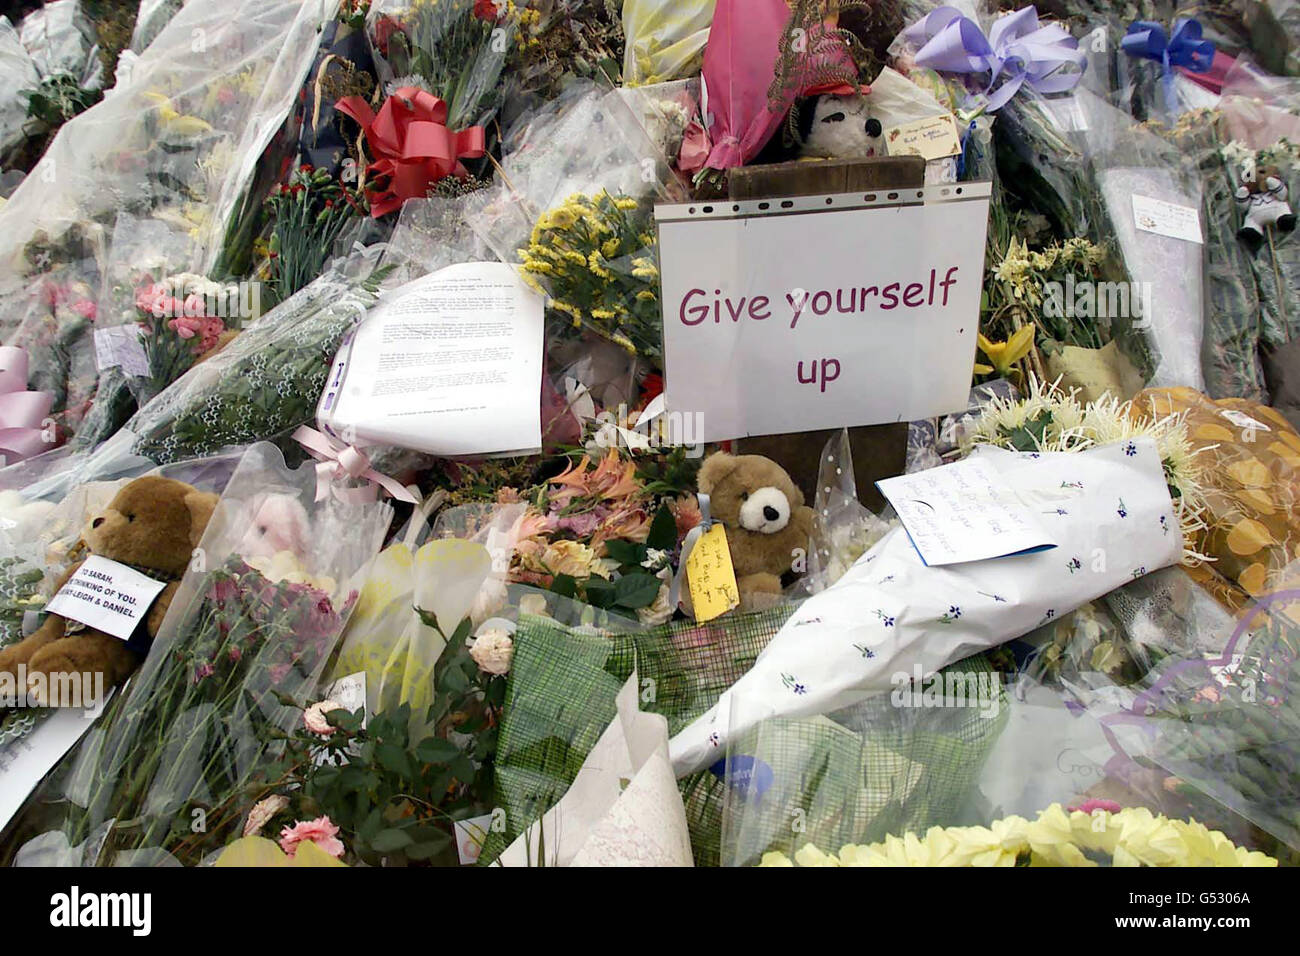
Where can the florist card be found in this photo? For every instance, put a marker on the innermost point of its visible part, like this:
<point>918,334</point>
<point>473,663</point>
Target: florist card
<point>963,512</point>
<point>450,364</point>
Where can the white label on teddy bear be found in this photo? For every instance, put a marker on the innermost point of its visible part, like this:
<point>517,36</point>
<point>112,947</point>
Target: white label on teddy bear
<point>1167,218</point>
<point>107,596</point>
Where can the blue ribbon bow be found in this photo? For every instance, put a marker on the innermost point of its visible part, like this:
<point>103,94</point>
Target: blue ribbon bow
<point>1185,48</point>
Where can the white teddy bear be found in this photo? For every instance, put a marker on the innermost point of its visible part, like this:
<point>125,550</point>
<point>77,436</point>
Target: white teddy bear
<point>842,127</point>
<point>1263,205</point>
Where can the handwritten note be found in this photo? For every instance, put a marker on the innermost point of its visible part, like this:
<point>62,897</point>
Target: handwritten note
<point>1167,218</point>
<point>931,138</point>
<point>710,575</point>
<point>107,596</point>
<point>963,512</point>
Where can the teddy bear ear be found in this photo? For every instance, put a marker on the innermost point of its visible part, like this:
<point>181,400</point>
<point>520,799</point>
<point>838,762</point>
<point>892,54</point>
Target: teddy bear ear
<point>201,505</point>
<point>715,469</point>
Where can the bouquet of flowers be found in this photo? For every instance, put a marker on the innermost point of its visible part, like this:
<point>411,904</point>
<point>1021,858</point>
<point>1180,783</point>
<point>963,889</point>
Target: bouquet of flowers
<point>1086,835</point>
<point>596,256</point>
<point>204,716</point>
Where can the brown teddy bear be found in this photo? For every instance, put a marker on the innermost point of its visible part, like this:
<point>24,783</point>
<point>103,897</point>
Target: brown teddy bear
<point>766,520</point>
<point>153,525</point>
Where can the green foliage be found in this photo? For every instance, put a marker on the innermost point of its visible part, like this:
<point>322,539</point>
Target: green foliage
<point>57,99</point>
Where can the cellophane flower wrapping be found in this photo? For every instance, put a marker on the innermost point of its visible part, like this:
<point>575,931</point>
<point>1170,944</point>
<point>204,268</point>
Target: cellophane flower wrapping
<point>17,72</point>
<point>891,613</point>
<point>1128,161</point>
<point>267,381</point>
<point>904,761</point>
<point>453,49</point>
<point>665,39</point>
<point>569,664</point>
<point>177,143</point>
<point>190,733</point>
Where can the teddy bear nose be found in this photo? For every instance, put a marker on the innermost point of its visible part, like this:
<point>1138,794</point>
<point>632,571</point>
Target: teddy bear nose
<point>770,513</point>
<point>873,127</point>
<point>97,522</point>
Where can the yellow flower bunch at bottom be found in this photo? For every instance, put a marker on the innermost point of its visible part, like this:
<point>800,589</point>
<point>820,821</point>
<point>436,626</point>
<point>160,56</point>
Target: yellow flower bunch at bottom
<point>1133,836</point>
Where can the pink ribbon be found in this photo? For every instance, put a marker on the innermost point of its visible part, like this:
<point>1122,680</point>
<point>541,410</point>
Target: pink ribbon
<point>23,414</point>
<point>341,462</point>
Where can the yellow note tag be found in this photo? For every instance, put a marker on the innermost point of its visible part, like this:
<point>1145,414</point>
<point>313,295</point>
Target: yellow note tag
<point>711,577</point>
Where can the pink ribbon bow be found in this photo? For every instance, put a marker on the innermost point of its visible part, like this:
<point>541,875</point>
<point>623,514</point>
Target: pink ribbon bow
<point>341,462</point>
<point>412,146</point>
<point>23,414</point>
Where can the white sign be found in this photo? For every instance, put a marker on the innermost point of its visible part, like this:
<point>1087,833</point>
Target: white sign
<point>450,364</point>
<point>963,512</point>
<point>1166,218</point>
<point>823,311</point>
<point>107,596</point>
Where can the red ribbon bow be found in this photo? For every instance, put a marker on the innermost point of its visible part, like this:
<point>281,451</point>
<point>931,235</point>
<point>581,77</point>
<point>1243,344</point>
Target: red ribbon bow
<point>412,146</point>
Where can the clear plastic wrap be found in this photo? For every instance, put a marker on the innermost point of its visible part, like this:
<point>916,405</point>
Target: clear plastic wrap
<point>907,761</point>
<point>540,165</point>
<point>1127,162</point>
<point>665,39</point>
<point>152,16</point>
<point>56,36</point>
<point>179,145</point>
<point>570,662</point>
<point>454,49</point>
<point>205,714</point>
<point>17,73</point>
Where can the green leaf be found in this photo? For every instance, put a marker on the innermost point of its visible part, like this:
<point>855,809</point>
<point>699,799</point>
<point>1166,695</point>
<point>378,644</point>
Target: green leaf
<point>436,750</point>
<point>626,552</point>
<point>436,844</point>
<point>600,593</point>
<point>663,531</point>
<point>386,841</point>
<point>636,590</point>
<point>394,759</point>
<point>565,585</point>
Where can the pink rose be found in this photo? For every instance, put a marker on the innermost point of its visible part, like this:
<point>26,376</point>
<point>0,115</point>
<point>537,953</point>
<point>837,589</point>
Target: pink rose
<point>86,309</point>
<point>319,831</point>
<point>313,717</point>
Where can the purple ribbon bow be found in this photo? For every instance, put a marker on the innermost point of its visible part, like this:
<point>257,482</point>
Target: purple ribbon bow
<point>1017,51</point>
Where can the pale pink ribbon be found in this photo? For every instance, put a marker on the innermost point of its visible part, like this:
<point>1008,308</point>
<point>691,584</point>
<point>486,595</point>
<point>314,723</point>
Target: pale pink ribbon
<point>336,461</point>
<point>23,414</point>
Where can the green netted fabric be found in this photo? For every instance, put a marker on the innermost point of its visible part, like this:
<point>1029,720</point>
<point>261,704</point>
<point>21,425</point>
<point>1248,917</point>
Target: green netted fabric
<point>561,695</point>
<point>560,699</point>
<point>858,775</point>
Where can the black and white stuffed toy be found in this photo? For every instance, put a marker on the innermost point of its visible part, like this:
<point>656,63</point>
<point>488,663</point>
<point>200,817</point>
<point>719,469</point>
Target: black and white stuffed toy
<point>840,127</point>
<point>1262,196</point>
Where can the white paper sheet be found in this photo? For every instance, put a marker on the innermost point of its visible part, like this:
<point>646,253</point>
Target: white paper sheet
<point>450,364</point>
<point>964,511</point>
<point>623,808</point>
<point>27,761</point>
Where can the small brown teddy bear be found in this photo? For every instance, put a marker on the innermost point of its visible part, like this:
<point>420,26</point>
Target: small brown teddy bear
<point>153,525</point>
<point>766,520</point>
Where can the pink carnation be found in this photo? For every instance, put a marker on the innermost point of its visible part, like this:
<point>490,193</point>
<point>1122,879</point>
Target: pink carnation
<point>319,831</point>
